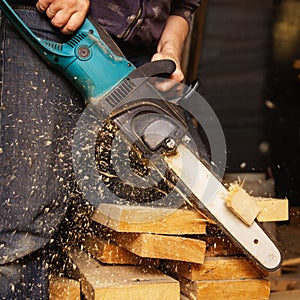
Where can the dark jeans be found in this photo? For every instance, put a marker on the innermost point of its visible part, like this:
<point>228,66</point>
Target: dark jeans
<point>26,278</point>
<point>39,110</point>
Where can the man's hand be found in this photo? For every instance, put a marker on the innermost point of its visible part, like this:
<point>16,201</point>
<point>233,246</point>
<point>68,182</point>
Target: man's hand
<point>176,76</point>
<point>68,15</point>
<point>178,73</point>
<point>170,47</point>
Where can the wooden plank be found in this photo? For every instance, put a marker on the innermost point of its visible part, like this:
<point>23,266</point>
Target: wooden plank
<point>163,247</point>
<point>110,253</point>
<point>183,297</point>
<point>250,289</point>
<point>285,295</point>
<point>216,268</point>
<point>124,218</point>
<point>221,246</point>
<point>291,262</point>
<point>62,288</point>
<point>272,210</point>
<point>285,282</point>
<point>242,204</point>
<point>107,282</point>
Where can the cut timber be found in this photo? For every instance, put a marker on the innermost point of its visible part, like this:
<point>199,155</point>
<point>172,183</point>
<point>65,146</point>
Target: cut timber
<point>110,253</point>
<point>159,220</point>
<point>220,246</point>
<point>272,210</point>
<point>285,295</point>
<point>242,204</point>
<point>164,247</point>
<point>216,268</point>
<point>285,282</point>
<point>183,297</point>
<point>291,262</point>
<point>102,282</point>
<point>62,288</point>
<point>250,289</point>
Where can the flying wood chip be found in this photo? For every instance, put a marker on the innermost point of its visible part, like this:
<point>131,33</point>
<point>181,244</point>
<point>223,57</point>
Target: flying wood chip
<point>242,204</point>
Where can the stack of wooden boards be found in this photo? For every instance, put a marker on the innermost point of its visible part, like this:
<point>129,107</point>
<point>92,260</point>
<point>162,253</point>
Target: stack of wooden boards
<point>158,253</point>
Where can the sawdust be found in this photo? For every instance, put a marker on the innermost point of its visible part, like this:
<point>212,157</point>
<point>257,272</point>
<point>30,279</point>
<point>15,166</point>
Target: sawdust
<point>136,186</point>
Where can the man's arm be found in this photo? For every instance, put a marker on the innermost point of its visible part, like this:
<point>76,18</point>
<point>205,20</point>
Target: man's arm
<point>175,33</point>
<point>171,43</point>
<point>68,15</point>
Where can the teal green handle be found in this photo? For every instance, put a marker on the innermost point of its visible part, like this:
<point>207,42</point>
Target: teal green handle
<point>86,60</point>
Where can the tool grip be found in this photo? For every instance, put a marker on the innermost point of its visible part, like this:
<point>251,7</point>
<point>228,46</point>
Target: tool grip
<point>86,60</point>
<point>90,60</point>
<point>164,67</point>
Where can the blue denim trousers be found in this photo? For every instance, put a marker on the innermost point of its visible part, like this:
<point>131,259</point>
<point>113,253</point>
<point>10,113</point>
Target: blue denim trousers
<point>39,110</point>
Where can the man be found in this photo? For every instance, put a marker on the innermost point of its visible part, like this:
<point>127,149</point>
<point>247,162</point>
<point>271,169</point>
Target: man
<point>39,110</point>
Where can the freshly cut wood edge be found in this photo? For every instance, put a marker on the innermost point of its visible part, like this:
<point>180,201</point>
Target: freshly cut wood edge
<point>63,288</point>
<point>163,247</point>
<point>143,219</point>
<point>250,289</point>
<point>216,268</point>
<point>272,210</point>
<point>110,253</point>
<point>242,204</point>
<point>107,282</point>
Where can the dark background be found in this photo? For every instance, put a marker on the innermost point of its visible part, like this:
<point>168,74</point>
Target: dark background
<point>247,73</point>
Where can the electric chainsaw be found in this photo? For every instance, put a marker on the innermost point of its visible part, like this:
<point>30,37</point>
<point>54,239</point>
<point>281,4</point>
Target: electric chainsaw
<point>121,97</point>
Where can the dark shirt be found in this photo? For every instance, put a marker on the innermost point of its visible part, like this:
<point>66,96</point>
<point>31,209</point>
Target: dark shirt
<point>139,23</point>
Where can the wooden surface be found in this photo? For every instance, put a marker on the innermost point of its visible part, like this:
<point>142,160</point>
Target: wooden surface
<point>291,262</point>
<point>248,208</point>
<point>183,297</point>
<point>242,204</point>
<point>217,268</point>
<point>162,246</point>
<point>61,288</point>
<point>285,295</point>
<point>107,282</point>
<point>110,253</point>
<point>153,220</point>
<point>124,265</point>
<point>248,289</point>
<point>285,282</point>
<point>272,210</point>
<point>220,246</point>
